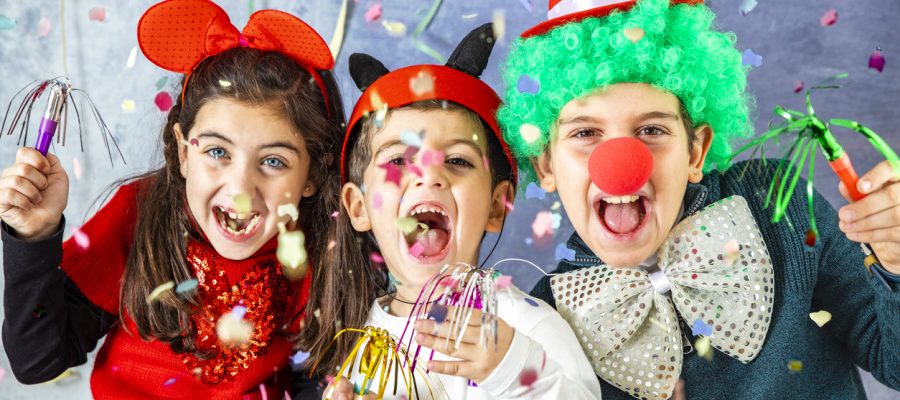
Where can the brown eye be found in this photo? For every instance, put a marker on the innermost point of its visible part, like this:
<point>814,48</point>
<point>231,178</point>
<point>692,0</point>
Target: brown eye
<point>651,131</point>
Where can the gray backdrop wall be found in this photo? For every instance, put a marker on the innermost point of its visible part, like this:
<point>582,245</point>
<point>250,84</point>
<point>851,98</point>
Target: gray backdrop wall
<point>786,33</point>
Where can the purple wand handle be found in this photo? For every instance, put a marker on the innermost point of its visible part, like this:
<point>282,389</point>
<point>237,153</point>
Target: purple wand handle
<point>45,135</point>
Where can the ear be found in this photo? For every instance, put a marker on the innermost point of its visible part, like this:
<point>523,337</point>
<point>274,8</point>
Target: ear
<point>355,203</point>
<point>472,54</point>
<point>703,136</point>
<point>544,169</point>
<point>365,69</point>
<point>310,189</point>
<point>182,149</point>
<point>502,194</point>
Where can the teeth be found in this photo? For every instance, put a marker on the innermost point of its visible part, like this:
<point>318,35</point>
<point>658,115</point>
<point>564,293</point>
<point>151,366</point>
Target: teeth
<point>425,209</point>
<point>620,199</point>
<point>230,225</point>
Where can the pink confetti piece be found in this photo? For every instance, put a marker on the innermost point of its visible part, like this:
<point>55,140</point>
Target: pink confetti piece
<point>335,214</point>
<point>416,249</point>
<point>732,251</point>
<point>332,244</point>
<point>509,205</point>
<point>97,14</point>
<point>392,173</point>
<point>542,225</point>
<point>432,157</point>
<point>76,168</point>
<point>376,258</point>
<point>376,201</point>
<point>81,239</point>
<point>876,60</point>
<point>44,27</point>
<point>798,86</point>
<point>195,142</point>
<point>485,163</point>
<point>2,373</point>
<point>415,170</point>
<point>503,282</point>
<point>374,12</point>
<point>829,18</point>
<point>163,101</point>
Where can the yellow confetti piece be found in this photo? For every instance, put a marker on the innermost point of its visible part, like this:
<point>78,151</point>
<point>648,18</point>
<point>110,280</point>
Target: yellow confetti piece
<point>159,290</point>
<point>132,57</point>
<point>376,101</point>
<point>406,224</point>
<point>634,34</point>
<point>291,251</point>
<point>499,20</point>
<point>337,38</point>
<point>529,132</point>
<point>128,105</point>
<point>233,330</point>
<point>820,317</point>
<point>225,84</point>
<point>394,28</point>
<point>422,84</point>
<point>67,373</point>
<point>555,205</point>
<point>241,203</point>
<point>289,210</point>
<point>704,348</point>
<point>795,366</point>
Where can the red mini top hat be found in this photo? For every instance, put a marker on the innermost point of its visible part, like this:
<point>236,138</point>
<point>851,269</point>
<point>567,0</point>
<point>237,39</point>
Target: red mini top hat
<point>457,81</point>
<point>562,12</point>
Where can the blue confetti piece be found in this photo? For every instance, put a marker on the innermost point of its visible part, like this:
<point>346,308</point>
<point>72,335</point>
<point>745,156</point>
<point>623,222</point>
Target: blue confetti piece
<point>169,382</point>
<point>531,302</point>
<point>751,58</point>
<point>299,357</point>
<point>747,6</point>
<point>533,191</point>
<point>529,241</point>
<point>701,328</point>
<point>186,286</point>
<point>527,4</point>
<point>411,138</point>
<point>528,85</point>
<point>438,313</point>
<point>563,252</point>
<point>6,23</point>
<point>239,311</point>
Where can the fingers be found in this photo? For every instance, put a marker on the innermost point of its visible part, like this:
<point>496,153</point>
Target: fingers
<point>879,176</point>
<point>23,187</point>
<point>888,218</point>
<point>884,198</point>
<point>34,158</point>
<point>462,350</point>
<point>10,198</point>
<point>340,390</point>
<point>471,333</point>
<point>456,368</point>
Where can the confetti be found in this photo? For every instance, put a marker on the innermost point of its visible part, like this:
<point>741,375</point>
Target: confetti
<point>531,302</point>
<point>704,348</point>
<point>241,203</point>
<point>509,205</point>
<point>38,311</point>
<point>528,376</point>
<point>820,317</point>
<point>811,237</point>
<point>563,252</point>
<point>76,168</point>
<point>412,138</point>
<point>335,214</point>
<point>374,12</point>
<point>406,224</point>
<point>432,157</point>
<point>634,34</point>
<point>332,244</point>
<point>291,251</point>
<point>543,224</point>
<point>394,28</point>
<point>529,132</point>
<point>470,16</point>
<point>128,105</point>
<point>438,313</point>
<point>159,290</point>
<point>97,14</point>
<point>747,6</point>
<point>337,38</point>
<point>701,328</point>
<point>239,311</point>
<point>6,23</point>
<point>393,280</point>
<point>132,57</point>
<point>169,381</point>
<point>186,286</point>
<point>422,84</point>
<point>81,239</point>
<point>163,101</point>
<point>2,373</point>
<point>499,20</point>
<point>232,330</point>
<point>416,249</point>
<point>392,173</point>
<point>533,191</point>
<point>299,357</point>
<point>876,60</point>
<point>798,86</point>
<point>527,84</point>
<point>503,282</point>
<point>225,84</point>
<point>527,4</point>
<point>195,142</point>
<point>289,210</point>
<point>795,366</point>
<point>376,258</point>
<point>732,251</point>
<point>161,83</point>
<point>555,206</point>
<point>44,27</point>
<point>829,18</point>
<point>376,201</point>
<point>751,58</point>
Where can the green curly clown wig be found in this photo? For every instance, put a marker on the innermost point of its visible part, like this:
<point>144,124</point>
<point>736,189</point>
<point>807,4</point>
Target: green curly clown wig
<point>680,52</point>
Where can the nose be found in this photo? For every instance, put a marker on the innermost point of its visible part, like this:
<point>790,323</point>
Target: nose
<point>241,179</point>
<point>433,176</point>
<point>620,166</point>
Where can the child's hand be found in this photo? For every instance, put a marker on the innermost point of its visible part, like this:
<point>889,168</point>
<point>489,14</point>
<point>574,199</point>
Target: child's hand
<point>476,362</point>
<point>876,218</point>
<point>33,194</point>
<point>343,390</point>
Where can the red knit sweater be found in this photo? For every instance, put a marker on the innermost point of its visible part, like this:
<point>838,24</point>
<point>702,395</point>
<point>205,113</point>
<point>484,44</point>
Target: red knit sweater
<point>129,367</point>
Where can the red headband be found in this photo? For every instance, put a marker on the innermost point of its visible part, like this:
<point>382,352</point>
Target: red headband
<point>177,35</point>
<point>562,12</point>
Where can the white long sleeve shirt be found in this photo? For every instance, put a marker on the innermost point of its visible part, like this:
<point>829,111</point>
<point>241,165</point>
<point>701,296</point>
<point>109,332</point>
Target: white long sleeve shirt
<point>543,342</point>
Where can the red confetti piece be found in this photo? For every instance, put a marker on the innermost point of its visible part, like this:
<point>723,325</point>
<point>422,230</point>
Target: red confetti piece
<point>811,237</point>
<point>798,86</point>
<point>392,173</point>
<point>97,14</point>
<point>195,142</point>
<point>829,18</point>
<point>374,12</point>
<point>528,377</point>
<point>163,101</point>
<point>876,60</point>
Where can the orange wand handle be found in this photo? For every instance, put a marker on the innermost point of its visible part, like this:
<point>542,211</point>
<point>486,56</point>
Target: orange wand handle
<point>844,170</point>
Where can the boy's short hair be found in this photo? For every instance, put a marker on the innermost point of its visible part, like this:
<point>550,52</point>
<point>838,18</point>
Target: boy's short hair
<point>680,52</point>
<point>361,151</point>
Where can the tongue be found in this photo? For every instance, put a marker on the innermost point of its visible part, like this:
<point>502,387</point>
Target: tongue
<point>432,242</point>
<point>622,218</point>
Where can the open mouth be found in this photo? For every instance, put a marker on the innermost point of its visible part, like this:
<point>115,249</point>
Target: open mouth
<point>623,215</point>
<point>430,240</point>
<point>237,225</point>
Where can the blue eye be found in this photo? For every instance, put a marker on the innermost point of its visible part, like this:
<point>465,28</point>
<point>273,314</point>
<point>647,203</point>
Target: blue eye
<point>274,163</point>
<point>217,153</point>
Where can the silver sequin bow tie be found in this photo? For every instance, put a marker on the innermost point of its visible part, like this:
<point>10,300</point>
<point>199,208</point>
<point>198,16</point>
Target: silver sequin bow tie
<point>716,268</point>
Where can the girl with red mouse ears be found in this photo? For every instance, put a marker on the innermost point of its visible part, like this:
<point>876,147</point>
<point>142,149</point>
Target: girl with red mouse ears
<point>628,111</point>
<point>181,273</point>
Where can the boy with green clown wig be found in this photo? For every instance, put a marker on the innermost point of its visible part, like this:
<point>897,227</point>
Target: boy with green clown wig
<point>628,111</point>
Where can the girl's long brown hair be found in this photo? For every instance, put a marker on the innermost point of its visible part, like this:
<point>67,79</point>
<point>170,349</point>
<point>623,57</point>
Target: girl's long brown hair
<point>158,254</point>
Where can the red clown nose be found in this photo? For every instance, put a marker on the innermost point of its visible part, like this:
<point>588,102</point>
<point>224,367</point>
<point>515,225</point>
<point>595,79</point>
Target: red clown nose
<point>620,166</point>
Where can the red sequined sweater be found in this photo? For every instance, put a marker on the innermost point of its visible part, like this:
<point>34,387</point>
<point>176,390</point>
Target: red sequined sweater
<point>129,367</point>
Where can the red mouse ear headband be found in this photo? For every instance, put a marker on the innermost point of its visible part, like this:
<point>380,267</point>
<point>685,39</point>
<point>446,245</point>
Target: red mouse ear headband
<point>178,34</point>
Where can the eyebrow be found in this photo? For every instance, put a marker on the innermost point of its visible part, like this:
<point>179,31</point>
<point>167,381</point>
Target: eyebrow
<point>469,143</point>
<point>645,116</point>
<point>386,145</point>
<point>216,135</point>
